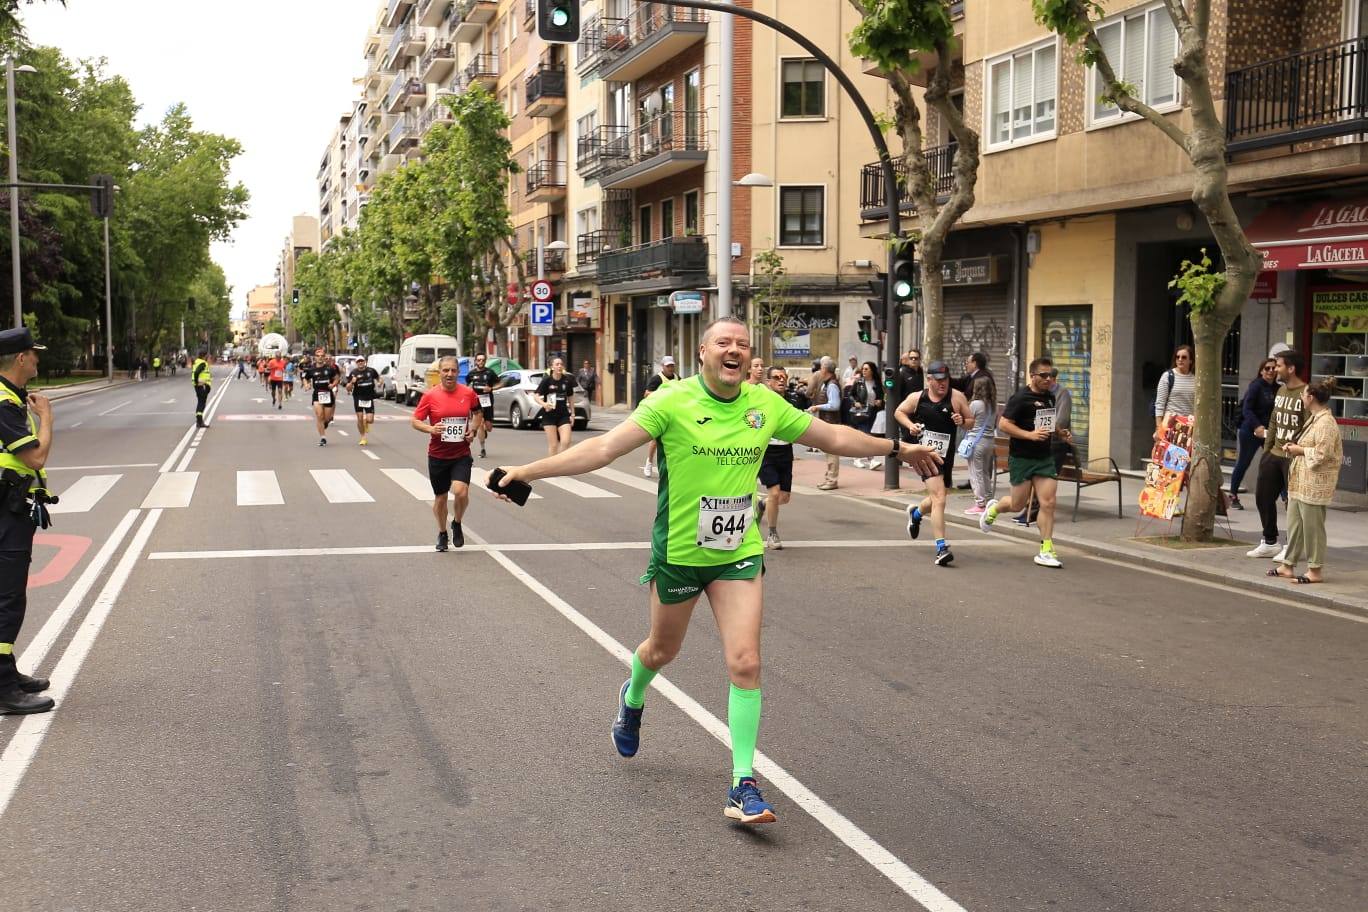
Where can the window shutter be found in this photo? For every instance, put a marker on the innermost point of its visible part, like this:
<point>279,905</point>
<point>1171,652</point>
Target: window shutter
<point>1002,102</point>
<point>1163,47</point>
<point>1109,36</point>
<point>1021,95</point>
<point>1045,70</point>
<point>1133,67</point>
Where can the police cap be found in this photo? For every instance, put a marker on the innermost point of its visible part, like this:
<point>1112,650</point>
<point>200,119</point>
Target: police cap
<point>14,341</point>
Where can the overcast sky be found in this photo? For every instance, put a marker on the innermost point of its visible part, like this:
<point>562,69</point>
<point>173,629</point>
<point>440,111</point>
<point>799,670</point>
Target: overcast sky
<point>274,74</point>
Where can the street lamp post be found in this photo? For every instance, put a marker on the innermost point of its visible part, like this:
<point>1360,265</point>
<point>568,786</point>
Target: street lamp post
<point>10,70</point>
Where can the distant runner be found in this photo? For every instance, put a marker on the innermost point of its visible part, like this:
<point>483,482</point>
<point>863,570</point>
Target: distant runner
<point>482,381</point>
<point>361,384</point>
<point>712,430</point>
<point>323,379</point>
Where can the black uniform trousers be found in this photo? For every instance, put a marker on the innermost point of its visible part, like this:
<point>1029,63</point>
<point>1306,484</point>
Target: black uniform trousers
<point>201,397</point>
<point>16,532</point>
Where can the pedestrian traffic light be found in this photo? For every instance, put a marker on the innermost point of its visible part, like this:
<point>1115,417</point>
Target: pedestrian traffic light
<point>294,296</point>
<point>866,331</point>
<point>904,275</point>
<point>102,197</point>
<point>878,287</point>
<point>558,21</point>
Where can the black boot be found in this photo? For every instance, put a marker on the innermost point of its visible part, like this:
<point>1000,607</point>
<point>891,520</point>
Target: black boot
<point>14,700</point>
<point>30,684</point>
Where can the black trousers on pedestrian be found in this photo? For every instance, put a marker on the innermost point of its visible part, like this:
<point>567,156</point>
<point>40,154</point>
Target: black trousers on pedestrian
<point>201,397</point>
<point>14,570</point>
<point>1271,483</point>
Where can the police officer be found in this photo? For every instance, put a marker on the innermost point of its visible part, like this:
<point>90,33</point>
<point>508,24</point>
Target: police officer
<point>200,376</point>
<point>25,439</point>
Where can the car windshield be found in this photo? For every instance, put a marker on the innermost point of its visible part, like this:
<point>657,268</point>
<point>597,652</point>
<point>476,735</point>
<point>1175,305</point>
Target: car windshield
<point>424,355</point>
<point>446,352</point>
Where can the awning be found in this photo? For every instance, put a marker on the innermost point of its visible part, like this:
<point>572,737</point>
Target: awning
<point>1332,234</point>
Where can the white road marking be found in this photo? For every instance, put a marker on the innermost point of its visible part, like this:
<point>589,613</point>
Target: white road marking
<point>76,424</point>
<point>411,480</point>
<point>185,460</point>
<point>885,862</point>
<point>370,455</point>
<point>171,491</point>
<point>579,488</point>
<point>22,748</point>
<point>258,489</point>
<point>343,433</point>
<point>339,486</point>
<point>631,481</point>
<point>479,478</point>
<point>82,496</point>
<point>114,408</point>
<point>168,402</point>
<point>541,547</point>
<point>91,468</point>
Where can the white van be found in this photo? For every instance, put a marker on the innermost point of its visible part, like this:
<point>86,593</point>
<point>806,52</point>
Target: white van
<point>416,355</point>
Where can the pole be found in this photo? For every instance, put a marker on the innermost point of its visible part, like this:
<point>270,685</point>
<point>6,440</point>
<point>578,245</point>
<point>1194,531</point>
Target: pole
<point>14,191</point>
<point>893,339</point>
<point>109,311</point>
<point>724,167</point>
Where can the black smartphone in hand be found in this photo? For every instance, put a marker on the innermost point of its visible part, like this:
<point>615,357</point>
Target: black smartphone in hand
<point>516,491</point>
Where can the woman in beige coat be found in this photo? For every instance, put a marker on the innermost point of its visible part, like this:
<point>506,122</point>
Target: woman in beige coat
<point>1316,457</point>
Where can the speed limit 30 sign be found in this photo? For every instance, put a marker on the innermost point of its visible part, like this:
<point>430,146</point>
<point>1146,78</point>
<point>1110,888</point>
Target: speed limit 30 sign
<point>541,291</point>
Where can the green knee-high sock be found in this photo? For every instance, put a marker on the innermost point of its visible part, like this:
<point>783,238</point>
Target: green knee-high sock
<point>641,679</point>
<point>743,721</point>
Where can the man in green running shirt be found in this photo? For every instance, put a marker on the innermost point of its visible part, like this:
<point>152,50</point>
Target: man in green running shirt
<point>713,429</point>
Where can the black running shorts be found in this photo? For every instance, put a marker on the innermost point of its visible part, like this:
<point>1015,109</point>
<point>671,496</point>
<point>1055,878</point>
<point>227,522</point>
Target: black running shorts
<point>445,472</point>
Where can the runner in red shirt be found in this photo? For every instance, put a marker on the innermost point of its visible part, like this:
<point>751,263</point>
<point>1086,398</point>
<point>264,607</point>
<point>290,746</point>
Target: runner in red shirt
<point>450,415</point>
<point>277,368</point>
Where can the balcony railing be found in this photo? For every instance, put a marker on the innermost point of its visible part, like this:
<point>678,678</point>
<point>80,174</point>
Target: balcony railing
<point>545,90</point>
<point>403,89</point>
<point>430,12</point>
<point>553,260</point>
<point>602,149</point>
<point>652,33</point>
<point>468,17</point>
<point>400,46</point>
<point>656,142</point>
<point>588,247</point>
<point>1304,96</point>
<point>482,67</point>
<point>684,258</point>
<point>437,61</point>
<point>403,134</point>
<point>545,175</point>
<point>873,201</point>
<point>435,114</point>
<point>394,12</point>
<point>594,37</point>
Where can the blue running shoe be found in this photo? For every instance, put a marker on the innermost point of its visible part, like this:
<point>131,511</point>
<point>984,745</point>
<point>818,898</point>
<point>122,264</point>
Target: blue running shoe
<point>746,805</point>
<point>627,725</point>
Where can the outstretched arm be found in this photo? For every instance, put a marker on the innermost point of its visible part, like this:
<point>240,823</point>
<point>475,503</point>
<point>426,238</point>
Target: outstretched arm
<point>840,440</point>
<point>585,456</point>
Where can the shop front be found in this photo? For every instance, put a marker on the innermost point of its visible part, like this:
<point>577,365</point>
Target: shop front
<point>1324,244</point>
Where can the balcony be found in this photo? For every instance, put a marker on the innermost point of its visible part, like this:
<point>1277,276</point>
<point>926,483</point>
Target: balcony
<point>553,260</point>
<point>437,62</point>
<point>546,182</point>
<point>482,70</point>
<point>546,91</point>
<point>403,136</point>
<point>652,35</point>
<point>469,17</point>
<point>403,46</point>
<point>593,34</point>
<point>675,262</point>
<point>660,147</point>
<point>1305,96</point>
<point>403,93</point>
<point>873,202</point>
<point>396,11</point>
<point>435,114</point>
<point>431,12</point>
<point>603,149</point>
<point>589,247</point>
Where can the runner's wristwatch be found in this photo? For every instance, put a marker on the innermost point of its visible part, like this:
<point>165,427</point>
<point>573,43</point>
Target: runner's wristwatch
<point>897,445</point>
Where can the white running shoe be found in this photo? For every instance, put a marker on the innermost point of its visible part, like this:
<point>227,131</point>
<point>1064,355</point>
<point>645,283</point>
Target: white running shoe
<point>861,462</point>
<point>1264,549</point>
<point>985,524</point>
<point>1281,556</point>
<point>646,470</point>
<point>1048,559</point>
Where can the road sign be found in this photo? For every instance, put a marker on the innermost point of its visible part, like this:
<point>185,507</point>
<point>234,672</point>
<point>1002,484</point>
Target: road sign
<point>543,314</point>
<point>541,291</point>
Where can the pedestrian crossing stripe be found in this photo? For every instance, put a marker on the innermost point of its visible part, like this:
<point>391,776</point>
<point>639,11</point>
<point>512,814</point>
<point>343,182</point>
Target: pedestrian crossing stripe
<point>84,494</point>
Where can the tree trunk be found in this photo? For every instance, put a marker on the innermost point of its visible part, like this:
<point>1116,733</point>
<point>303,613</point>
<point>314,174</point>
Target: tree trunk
<point>933,303</point>
<point>1204,477</point>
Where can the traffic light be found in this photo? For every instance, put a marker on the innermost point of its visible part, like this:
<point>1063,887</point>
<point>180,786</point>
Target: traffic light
<point>102,198</point>
<point>904,275</point>
<point>867,330</point>
<point>294,296</point>
<point>558,21</point>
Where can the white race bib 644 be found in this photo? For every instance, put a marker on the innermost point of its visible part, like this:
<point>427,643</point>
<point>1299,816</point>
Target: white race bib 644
<point>722,522</point>
<point>936,441</point>
<point>453,430</point>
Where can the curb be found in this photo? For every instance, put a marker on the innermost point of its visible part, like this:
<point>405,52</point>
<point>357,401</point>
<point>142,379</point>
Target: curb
<point>57,394</point>
<point>1305,595</point>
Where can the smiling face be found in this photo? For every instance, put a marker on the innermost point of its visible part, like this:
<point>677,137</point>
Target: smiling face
<point>724,353</point>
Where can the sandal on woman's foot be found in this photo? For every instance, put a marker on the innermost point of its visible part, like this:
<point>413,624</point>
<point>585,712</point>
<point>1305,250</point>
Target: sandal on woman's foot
<point>1274,571</point>
<point>1303,581</point>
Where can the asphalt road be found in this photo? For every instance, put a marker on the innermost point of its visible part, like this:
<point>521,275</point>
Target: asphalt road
<point>300,706</point>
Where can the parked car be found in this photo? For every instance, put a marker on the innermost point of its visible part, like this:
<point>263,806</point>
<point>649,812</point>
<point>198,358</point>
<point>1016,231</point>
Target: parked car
<point>416,355</point>
<point>513,400</point>
<point>345,364</point>
<point>385,388</point>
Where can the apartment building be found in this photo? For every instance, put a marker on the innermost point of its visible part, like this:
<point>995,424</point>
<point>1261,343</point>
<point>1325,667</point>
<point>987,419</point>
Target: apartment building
<point>303,238</point>
<point>1083,214</point>
<point>333,173</point>
<point>262,308</point>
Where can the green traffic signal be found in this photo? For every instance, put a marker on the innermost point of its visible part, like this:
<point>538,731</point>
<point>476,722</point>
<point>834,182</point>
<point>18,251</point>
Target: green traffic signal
<point>902,289</point>
<point>560,18</point>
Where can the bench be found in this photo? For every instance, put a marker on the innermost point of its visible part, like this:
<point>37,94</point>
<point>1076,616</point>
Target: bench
<point>1102,470</point>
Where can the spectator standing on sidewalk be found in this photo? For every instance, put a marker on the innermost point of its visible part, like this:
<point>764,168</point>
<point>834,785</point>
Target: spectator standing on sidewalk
<point>910,372</point>
<point>1313,474</point>
<point>1177,393</point>
<point>1284,426</point>
<point>827,407</point>
<point>588,379</point>
<point>866,397</point>
<point>757,372</point>
<point>983,459</point>
<point>851,373</point>
<point>1255,409</point>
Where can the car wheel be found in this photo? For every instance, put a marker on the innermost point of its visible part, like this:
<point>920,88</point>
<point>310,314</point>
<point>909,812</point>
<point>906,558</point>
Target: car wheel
<point>515,417</point>
<point>411,398</point>
<point>581,425</point>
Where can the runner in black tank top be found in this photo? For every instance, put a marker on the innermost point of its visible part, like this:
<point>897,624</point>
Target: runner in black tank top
<point>932,417</point>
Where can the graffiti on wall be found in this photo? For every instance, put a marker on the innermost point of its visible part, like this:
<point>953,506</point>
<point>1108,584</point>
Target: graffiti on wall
<point>971,334</point>
<point>1066,333</point>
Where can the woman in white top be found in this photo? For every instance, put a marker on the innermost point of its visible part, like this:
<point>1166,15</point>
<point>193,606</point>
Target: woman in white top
<point>983,461</point>
<point>1177,394</point>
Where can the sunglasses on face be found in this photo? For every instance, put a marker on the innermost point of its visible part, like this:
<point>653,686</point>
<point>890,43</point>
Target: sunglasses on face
<point>1045,376</point>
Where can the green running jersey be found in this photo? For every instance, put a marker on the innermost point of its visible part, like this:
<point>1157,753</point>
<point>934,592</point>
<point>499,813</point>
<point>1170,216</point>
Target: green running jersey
<point>710,452</point>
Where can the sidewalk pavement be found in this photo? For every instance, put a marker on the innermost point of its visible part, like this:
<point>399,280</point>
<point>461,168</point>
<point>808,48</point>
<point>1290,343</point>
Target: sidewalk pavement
<point>1099,531</point>
<point>75,389</point>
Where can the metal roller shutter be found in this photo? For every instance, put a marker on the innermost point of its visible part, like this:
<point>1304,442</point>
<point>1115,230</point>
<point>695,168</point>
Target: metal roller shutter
<point>979,318</point>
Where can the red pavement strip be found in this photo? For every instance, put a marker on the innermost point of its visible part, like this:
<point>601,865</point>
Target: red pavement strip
<point>70,550</point>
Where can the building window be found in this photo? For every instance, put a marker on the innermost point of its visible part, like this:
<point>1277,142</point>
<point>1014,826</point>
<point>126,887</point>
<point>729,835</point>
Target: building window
<point>801,216</point>
<point>644,225</point>
<point>1022,93</point>
<point>804,90</point>
<point>667,218</point>
<point>1141,46</point>
<point>693,215</point>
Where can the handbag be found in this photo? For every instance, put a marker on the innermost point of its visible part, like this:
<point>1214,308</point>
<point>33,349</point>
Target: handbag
<point>966,447</point>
